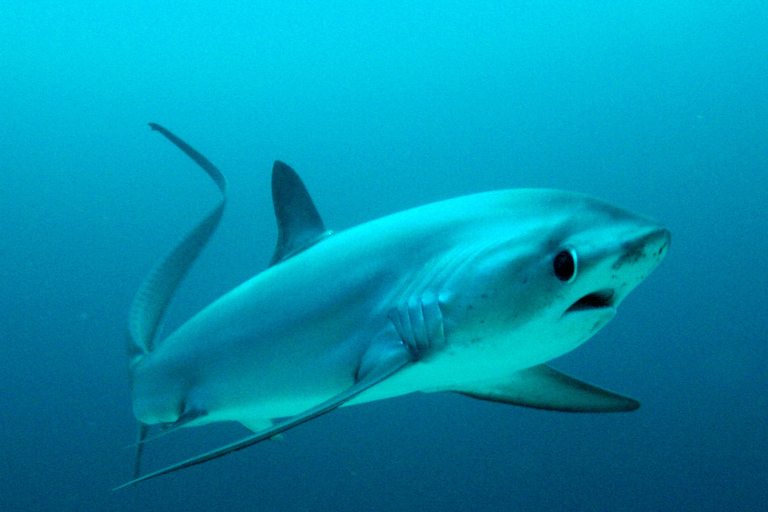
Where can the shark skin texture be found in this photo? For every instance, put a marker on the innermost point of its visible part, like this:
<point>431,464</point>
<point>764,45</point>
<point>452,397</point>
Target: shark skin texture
<point>472,295</point>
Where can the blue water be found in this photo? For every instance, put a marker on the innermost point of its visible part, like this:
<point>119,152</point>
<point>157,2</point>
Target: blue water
<point>660,107</point>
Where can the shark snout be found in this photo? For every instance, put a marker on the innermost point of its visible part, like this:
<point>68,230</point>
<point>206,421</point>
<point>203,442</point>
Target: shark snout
<point>660,240</point>
<point>650,248</point>
<point>633,261</point>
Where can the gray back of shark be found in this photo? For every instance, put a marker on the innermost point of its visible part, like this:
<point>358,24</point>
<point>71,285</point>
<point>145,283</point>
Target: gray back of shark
<point>471,295</point>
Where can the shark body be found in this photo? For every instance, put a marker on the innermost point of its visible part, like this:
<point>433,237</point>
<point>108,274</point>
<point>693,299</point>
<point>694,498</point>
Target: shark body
<point>472,295</point>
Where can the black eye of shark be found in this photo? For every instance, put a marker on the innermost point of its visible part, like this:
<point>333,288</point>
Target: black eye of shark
<point>565,265</point>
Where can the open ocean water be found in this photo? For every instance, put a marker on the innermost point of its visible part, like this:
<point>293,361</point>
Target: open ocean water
<point>660,107</point>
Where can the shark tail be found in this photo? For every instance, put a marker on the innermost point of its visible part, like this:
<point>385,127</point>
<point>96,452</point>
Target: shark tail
<point>156,292</point>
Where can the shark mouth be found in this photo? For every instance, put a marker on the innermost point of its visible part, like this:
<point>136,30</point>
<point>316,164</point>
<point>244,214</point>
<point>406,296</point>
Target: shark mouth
<point>595,300</point>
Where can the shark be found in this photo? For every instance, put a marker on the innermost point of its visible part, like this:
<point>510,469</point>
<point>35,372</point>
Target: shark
<point>472,295</point>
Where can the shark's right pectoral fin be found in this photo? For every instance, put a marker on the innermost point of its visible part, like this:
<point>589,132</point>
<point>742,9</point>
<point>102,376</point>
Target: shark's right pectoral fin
<point>379,362</point>
<point>543,387</point>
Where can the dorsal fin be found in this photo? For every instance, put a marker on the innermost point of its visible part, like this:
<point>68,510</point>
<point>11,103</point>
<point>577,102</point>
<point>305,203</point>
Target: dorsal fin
<point>299,225</point>
<point>156,292</point>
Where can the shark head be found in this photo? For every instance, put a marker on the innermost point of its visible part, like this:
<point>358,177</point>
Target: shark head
<point>551,271</point>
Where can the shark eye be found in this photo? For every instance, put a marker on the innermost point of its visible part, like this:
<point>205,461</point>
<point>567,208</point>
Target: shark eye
<point>565,265</point>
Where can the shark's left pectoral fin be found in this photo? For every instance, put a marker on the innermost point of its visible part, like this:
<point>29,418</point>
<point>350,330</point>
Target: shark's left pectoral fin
<point>543,387</point>
<point>379,362</point>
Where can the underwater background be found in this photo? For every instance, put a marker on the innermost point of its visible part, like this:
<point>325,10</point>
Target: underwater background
<point>660,107</point>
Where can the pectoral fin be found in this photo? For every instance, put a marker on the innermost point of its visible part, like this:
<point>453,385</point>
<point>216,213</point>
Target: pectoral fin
<point>543,387</point>
<point>379,363</point>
